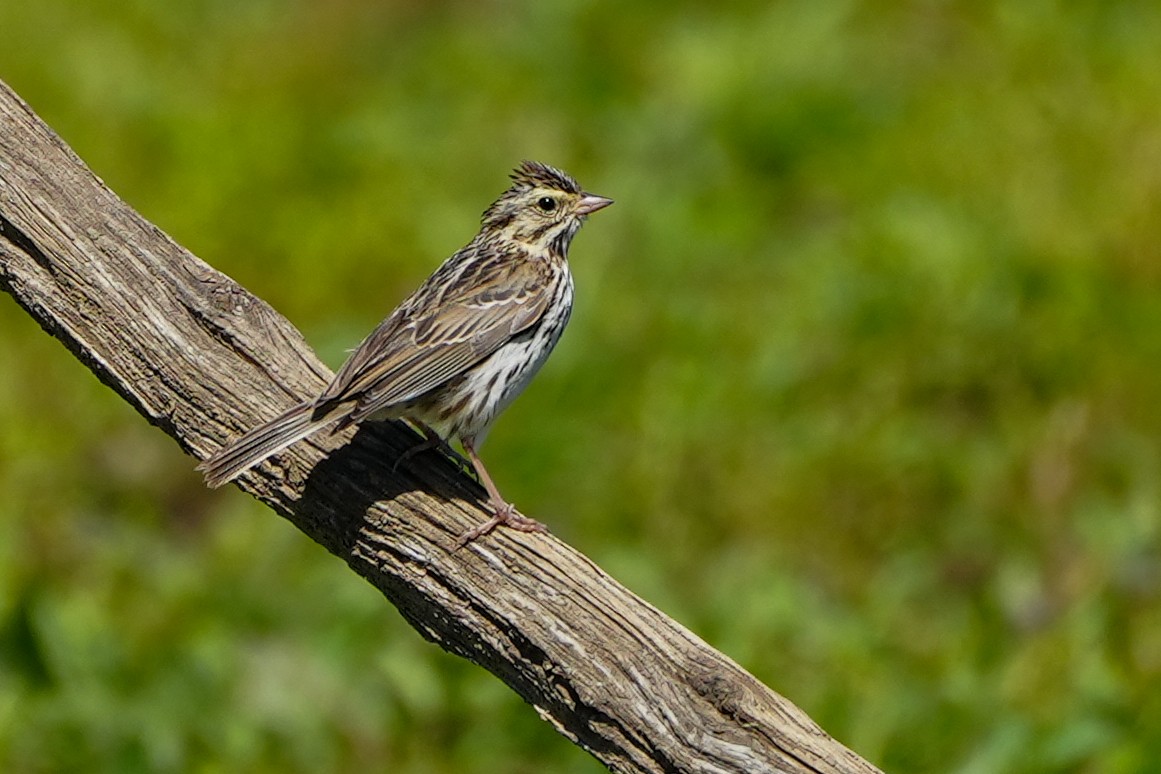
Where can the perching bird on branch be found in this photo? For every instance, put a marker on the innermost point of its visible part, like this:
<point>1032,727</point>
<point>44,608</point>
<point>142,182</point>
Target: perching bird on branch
<point>459,349</point>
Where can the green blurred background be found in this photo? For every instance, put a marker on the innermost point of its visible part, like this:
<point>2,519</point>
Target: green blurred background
<point>862,384</point>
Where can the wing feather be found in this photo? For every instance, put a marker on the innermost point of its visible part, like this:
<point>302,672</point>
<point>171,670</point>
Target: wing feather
<point>461,315</point>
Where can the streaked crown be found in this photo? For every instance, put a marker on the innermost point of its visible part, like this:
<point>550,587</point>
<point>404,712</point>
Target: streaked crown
<point>543,209</point>
<point>533,174</point>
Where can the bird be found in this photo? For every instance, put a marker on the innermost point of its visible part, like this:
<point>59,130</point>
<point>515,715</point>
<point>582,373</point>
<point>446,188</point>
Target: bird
<point>457,351</point>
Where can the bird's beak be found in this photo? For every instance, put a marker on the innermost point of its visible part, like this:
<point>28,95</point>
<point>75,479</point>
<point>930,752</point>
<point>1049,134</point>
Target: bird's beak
<point>590,203</point>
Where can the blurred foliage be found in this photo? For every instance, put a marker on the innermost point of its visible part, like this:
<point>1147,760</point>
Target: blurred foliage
<point>862,384</point>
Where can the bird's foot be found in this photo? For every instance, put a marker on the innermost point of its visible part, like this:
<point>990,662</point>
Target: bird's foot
<point>506,515</point>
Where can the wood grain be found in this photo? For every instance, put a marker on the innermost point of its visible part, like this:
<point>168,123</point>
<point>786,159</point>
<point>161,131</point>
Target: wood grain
<point>202,359</point>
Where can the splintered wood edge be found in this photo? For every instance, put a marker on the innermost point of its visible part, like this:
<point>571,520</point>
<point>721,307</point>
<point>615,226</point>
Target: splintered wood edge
<point>202,358</point>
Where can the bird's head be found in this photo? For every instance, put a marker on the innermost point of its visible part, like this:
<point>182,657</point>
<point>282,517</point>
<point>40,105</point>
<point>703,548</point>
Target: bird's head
<point>543,208</point>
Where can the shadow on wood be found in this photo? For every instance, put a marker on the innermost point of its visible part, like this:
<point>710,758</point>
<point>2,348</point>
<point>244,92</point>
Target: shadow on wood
<point>202,359</point>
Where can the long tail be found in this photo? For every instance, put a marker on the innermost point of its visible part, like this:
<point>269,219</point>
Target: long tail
<point>261,442</point>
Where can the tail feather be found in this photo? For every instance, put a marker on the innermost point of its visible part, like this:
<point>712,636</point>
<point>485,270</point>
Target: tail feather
<point>262,442</point>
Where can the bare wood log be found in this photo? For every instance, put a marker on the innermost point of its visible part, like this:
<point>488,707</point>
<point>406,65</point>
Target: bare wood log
<point>202,359</point>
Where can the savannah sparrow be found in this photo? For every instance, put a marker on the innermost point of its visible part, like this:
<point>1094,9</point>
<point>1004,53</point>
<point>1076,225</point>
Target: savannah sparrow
<point>459,349</point>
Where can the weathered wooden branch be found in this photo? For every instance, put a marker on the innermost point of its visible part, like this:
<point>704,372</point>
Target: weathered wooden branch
<point>202,359</point>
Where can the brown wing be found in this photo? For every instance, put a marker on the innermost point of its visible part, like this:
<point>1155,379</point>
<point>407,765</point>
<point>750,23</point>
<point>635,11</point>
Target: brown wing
<point>475,301</point>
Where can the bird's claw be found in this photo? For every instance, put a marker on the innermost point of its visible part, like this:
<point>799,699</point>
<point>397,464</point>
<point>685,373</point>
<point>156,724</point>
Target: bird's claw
<point>505,515</point>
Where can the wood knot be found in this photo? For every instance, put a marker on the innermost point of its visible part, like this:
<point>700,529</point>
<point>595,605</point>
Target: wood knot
<point>230,298</point>
<point>725,694</point>
<point>223,294</point>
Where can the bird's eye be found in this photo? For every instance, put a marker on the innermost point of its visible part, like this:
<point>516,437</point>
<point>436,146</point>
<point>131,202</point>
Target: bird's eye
<point>546,203</point>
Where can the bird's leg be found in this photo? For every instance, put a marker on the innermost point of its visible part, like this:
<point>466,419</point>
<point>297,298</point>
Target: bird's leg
<point>506,513</point>
<point>431,440</point>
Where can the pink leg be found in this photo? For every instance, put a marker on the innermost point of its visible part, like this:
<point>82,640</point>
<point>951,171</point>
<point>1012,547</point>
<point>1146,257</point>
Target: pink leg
<point>506,513</point>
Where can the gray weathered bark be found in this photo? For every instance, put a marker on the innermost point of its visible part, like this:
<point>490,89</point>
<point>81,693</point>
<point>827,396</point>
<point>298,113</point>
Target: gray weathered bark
<point>203,359</point>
